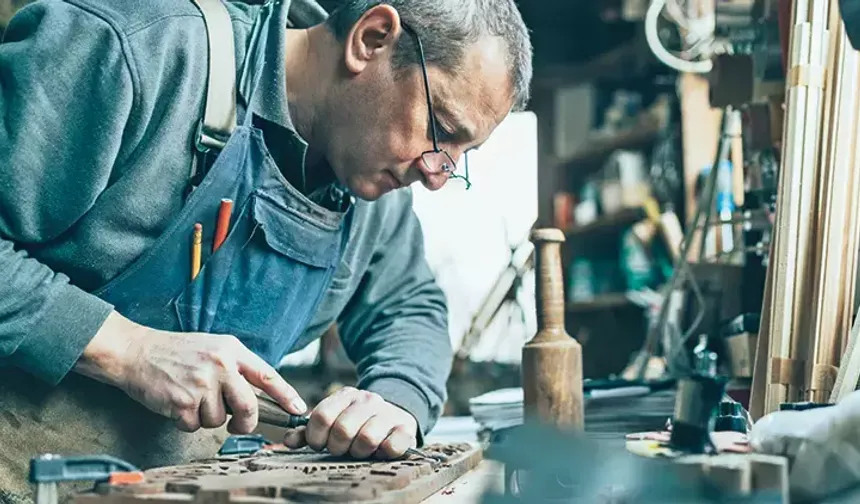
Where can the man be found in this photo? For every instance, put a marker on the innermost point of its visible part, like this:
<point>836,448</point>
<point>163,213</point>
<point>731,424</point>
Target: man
<point>102,105</point>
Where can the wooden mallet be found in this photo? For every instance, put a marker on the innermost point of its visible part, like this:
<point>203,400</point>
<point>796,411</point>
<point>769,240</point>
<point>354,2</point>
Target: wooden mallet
<point>552,360</point>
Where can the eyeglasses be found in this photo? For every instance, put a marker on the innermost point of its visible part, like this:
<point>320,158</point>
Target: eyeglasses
<point>436,159</point>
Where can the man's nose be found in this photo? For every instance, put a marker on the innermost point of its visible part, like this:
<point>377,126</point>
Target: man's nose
<point>435,181</point>
<point>434,177</point>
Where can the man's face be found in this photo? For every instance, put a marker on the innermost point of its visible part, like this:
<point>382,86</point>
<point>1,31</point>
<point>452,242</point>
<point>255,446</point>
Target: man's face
<point>379,124</point>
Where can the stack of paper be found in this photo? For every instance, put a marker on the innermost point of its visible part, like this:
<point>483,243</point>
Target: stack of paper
<point>498,409</point>
<point>611,411</point>
<point>615,415</point>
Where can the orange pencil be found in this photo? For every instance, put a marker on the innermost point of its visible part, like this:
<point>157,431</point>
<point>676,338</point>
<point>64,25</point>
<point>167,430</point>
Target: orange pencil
<point>196,249</point>
<point>223,224</point>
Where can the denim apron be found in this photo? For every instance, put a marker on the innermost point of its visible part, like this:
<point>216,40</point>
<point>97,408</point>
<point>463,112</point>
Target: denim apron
<point>267,279</point>
<point>263,285</point>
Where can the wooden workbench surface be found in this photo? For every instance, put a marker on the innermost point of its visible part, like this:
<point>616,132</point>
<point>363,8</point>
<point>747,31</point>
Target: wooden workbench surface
<point>488,476</point>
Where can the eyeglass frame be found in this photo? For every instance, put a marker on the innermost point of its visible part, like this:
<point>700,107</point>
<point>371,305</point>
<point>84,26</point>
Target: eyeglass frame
<point>436,150</point>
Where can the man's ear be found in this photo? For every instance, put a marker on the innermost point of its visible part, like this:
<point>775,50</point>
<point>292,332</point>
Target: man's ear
<point>371,37</point>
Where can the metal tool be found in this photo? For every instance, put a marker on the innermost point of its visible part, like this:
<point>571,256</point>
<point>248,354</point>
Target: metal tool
<point>419,453</point>
<point>252,443</point>
<point>48,470</point>
<point>803,406</point>
<point>247,444</point>
<point>696,404</point>
<point>271,413</point>
<point>731,418</point>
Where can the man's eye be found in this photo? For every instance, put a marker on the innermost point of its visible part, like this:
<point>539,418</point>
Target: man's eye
<point>444,133</point>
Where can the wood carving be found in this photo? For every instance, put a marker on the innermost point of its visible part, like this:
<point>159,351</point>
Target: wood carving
<point>285,476</point>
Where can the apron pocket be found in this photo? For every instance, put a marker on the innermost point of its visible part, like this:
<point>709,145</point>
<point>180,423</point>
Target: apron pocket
<point>266,280</point>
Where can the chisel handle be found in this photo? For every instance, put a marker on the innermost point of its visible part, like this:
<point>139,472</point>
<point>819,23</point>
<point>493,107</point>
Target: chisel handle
<point>271,413</point>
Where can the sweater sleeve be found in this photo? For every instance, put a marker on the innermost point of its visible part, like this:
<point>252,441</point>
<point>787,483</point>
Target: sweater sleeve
<point>65,98</point>
<point>395,327</point>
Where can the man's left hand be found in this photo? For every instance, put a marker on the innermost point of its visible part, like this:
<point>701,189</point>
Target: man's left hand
<point>357,422</point>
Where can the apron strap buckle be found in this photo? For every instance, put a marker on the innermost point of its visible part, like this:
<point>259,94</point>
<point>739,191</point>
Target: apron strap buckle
<point>207,139</point>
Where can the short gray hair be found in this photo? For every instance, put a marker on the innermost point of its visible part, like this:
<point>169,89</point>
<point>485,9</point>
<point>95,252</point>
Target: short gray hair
<point>447,28</point>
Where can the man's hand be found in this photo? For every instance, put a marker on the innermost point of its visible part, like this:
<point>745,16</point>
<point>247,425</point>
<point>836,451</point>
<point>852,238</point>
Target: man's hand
<point>188,377</point>
<point>357,422</point>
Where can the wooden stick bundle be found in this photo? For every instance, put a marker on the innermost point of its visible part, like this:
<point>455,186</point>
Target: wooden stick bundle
<point>792,260</point>
<point>852,249</point>
<point>833,237</point>
<point>807,311</point>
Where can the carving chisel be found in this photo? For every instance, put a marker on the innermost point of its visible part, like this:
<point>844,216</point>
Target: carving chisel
<point>271,413</point>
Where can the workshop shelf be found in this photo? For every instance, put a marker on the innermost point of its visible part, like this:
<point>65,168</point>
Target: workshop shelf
<point>601,302</point>
<point>608,223</point>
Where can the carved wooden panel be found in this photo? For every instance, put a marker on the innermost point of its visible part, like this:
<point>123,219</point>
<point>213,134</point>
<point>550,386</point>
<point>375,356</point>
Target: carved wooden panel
<point>293,476</point>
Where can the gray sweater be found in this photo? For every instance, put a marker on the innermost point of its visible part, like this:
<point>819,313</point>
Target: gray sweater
<point>99,103</point>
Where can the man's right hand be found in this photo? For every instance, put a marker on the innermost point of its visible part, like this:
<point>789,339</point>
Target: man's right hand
<point>189,377</point>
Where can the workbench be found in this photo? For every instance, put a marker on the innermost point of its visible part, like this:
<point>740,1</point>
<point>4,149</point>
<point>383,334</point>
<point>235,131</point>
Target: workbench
<point>489,476</point>
<point>297,477</point>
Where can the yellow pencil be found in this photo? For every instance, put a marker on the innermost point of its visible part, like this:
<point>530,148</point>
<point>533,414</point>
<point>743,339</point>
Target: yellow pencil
<point>196,250</point>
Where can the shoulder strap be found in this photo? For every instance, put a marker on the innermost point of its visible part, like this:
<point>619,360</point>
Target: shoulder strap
<point>219,119</point>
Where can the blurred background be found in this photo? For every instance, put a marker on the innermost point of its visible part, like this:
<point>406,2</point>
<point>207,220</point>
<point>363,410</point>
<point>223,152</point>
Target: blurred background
<point>615,142</point>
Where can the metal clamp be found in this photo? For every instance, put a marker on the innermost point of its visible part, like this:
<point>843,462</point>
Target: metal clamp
<point>243,445</point>
<point>48,470</point>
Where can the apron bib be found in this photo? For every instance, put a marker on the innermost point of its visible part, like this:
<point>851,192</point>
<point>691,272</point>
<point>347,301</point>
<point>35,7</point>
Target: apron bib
<point>263,286</point>
<point>267,279</point>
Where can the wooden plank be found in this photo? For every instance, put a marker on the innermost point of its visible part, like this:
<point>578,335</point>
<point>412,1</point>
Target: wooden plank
<point>286,476</point>
<point>834,250</point>
<point>795,226</point>
<point>700,133</point>
<point>740,474</point>
<point>849,368</point>
<point>761,367</point>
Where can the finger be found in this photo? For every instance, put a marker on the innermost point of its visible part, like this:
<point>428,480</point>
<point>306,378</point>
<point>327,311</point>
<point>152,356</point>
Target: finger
<point>370,437</point>
<point>212,410</point>
<point>239,395</point>
<point>348,425</point>
<point>188,420</point>
<point>295,438</point>
<point>324,416</point>
<point>264,376</point>
<point>396,444</point>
